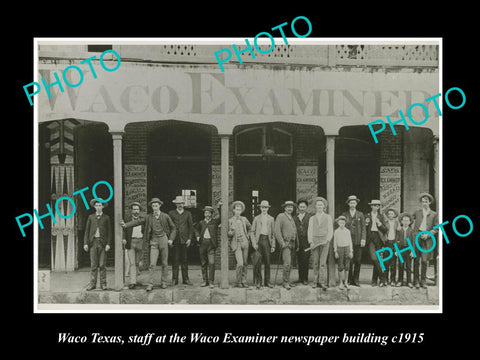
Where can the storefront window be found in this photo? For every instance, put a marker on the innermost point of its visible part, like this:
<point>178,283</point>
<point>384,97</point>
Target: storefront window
<point>261,141</point>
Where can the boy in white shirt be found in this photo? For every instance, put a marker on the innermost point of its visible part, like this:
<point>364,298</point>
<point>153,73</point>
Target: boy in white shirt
<point>343,248</point>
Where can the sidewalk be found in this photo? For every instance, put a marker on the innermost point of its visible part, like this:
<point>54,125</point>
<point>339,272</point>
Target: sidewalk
<point>69,288</point>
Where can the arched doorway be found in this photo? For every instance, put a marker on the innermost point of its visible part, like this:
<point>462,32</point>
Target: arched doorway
<point>179,164</point>
<point>264,167</point>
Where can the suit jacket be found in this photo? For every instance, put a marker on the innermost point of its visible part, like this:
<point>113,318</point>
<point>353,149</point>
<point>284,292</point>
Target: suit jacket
<point>302,230</point>
<point>184,224</point>
<point>212,227</point>
<point>356,225</point>
<point>127,231</point>
<point>396,225</point>
<point>286,231</point>
<point>231,231</point>
<point>381,228</point>
<point>104,228</point>
<point>257,228</point>
<point>167,225</point>
<point>401,241</point>
<point>432,220</point>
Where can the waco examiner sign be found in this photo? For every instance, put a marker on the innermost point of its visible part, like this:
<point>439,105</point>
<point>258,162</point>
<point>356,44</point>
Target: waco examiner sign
<point>201,93</point>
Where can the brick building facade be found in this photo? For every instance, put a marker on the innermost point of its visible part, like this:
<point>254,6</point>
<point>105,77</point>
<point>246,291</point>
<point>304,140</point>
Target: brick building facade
<point>167,123</point>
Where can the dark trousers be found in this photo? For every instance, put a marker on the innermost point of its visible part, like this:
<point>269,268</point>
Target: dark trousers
<point>419,269</point>
<point>303,262</point>
<point>390,265</point>
<point>179,257</point>
<point>97,262</point>
<point>261,255</point>
<point>405,267</point>
<point>356,263</point>
<point>375,244</point>
<point>207,260</point>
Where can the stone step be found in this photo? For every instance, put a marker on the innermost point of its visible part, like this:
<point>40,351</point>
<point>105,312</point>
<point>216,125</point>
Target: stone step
<point>298,295</point>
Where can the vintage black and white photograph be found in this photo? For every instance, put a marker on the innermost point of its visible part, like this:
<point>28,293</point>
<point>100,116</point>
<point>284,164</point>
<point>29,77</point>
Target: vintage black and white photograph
<point>207,175</point>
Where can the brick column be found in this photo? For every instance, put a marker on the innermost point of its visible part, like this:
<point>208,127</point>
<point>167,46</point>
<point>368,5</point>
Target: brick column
<point>224,168</point>
<point>117,193</point>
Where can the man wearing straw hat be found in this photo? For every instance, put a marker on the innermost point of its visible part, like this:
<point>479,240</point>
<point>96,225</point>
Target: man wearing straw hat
<point>133,241</point>
<point>206,233</point>
<point>263,242</point>
<point>97,239</point>
<point>159,234</point>
<point>355,222</point>
<point>376,229</point>
<point>286,235</point>
<point>424,220</point>
<point>238,230</point>
<point>320,233</point>
<point>184,224</point>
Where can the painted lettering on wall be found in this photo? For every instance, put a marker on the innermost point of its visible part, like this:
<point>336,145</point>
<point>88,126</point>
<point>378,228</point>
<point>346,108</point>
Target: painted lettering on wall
<point>390,187</point>
<point>135,186</point>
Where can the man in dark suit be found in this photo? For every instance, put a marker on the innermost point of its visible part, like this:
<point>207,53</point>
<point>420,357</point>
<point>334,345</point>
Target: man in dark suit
<point>424,220</point>
<point>303,258</point>
<point>404,233</point>
<point>206,234</point>
<point>159,234</point>
<point>98,238</point>
<point>356,224</point>
<point>376,229</point>
<point>133,241</point>
<point>184,224</point>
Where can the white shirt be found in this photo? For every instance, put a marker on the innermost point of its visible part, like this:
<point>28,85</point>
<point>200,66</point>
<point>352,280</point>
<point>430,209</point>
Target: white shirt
<point>391,230</point>
<point>137,230</point>
<point>206,234</point>
<point>301,216</point>
<point>180,212</point>
<point>374,222</point>
<point>264,229</point>
<point>97,232</point>
<point>352,213</point>
<point>423,225</point>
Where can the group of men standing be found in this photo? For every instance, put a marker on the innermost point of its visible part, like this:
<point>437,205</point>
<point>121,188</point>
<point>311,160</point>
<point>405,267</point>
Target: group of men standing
<point>308,237</point>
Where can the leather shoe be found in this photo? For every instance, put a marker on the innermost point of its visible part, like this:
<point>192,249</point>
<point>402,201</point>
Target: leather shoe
<point>212,286</point>
<point>305,283</point>
<point>287,286</point>
<point>149,287</point>
<point>410,285</point>
<point>204,284</point>
<point>323,287</point>
<point>187,282</point>
<point>175,282</point>
<point>314,285</point>
<point>417,286</point>
<point>270,285</point>
<point>104,287</point>
<point>163,286</point>
<point>90,287</point>
<point>245,285</point>
<point>132,286</point>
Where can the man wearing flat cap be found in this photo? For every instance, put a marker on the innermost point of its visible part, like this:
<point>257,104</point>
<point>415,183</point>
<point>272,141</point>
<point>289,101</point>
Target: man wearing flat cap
<point>286,235</point>
<point>133,241</point>
<point>424,220</point>
<point>97,239</point>
<point>159,231</point>
<point>206,233</point>
<point>184,224</point>
<point>355,222</point>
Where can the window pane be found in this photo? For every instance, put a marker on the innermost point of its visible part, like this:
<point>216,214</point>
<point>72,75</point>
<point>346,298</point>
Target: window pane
<point>281,142</point>
<point>250,142</point>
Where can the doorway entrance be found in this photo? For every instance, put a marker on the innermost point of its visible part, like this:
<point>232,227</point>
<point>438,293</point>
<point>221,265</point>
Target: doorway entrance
<point>179,165</point>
